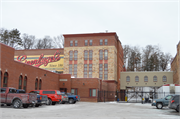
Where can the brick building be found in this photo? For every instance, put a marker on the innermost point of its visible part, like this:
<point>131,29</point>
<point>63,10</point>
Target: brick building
<point>175,66</point>
<point>88,63</point>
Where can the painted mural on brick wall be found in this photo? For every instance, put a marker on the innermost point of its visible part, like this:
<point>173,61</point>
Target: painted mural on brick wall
<point>52,62</point>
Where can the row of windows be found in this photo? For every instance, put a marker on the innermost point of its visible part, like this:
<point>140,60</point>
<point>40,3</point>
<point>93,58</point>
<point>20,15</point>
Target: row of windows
<point>89,42</point>
<point>92,92</point>
<point>105,71</point>
<point>88,53</point>
<point>87,73</point>
<point>164,78</point>
<point>22,83</point>
<point>71,71</point>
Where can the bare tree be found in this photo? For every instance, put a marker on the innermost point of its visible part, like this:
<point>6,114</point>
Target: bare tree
<point>28,41</point>
<point>164,60</point>
<point>58,41</point>
<point>126,50</point>
<point>45,43</point>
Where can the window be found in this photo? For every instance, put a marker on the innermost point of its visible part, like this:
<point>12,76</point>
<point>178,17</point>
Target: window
<point>1,79</point>
<point>105,54</point>
<point>76,43</point>
<point>71,55</point>
<point>106,42</point>
<point>85,70</point>
<point>11,90</point>
<point>5,79</point>
<point>100,54</point>
<point>164,78</point>
<point>75,70</point>
<point>90,42</point>
<point>74,91</point>
<point>48,92</point>
<point>70,69</point>
<point>25,83</point>
<point>90,55</point>
<point>86,42</point>
<point>92,92</point>
<point>101,42</point>
<point>85,55</point>
<point>3,90</point>
<point>40,84</point>
<point>105,71</point>
<point>168,97</point>
<point>136,79</point>
<point>127,79</point>
<point>36,84</point>
<point>100,71</point>
<point>20,82</point>
<point>145,79</point>
<point>75,55</point>
<point>90,70</point>
<point>71,43</point>
<point>155,78</point>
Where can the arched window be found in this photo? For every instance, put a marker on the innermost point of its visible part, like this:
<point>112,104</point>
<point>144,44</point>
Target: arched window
<point>164,78</point>
<point>40,84</point>
<point>90,55</point>
<point>136,79</point>
<point>20,82</point>
<point>105,54</point>
<point>75,55</point>
<point>25,83</point>
<point>100,54</point>
<point>127,79</point>
<point>155,78</point>
<point>85,55</point>
<point>145,79</point>
<point>5,79</point>
<point>71,55</point>
<point>36,84</point>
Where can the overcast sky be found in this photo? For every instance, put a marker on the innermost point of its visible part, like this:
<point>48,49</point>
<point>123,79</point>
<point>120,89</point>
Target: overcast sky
<point>154,22</point>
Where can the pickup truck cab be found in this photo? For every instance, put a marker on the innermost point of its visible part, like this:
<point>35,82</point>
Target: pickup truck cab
<point>160,103</point>
<point>53,96</point>
<point>9,96</point>
<point>72,98</point>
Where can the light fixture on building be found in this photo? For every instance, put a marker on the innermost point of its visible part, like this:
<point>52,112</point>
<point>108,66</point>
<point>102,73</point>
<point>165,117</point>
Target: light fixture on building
<point>83,83</point>
<point>63,84</point>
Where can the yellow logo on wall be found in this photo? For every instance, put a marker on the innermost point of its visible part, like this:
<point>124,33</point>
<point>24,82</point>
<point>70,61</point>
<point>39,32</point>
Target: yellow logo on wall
<point>48,62</point>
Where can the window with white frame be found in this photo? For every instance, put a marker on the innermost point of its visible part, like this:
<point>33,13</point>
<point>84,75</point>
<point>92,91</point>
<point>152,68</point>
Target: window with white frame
<point>145,79</point>
<point>164,78</point>
<point>136,79</point>
<point>92,92</point>
<point>105,54</point>
<point>128,79</point>
<point>155,78</point>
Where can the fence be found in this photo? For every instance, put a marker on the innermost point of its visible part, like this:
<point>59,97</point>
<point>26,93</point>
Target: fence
<point>131,96</point>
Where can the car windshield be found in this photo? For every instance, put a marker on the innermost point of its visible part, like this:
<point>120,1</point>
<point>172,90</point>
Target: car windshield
<point>58,92</point>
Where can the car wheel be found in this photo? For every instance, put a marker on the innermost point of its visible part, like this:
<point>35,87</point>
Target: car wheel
<point>25,105</point>
<point>49,102</point>
<point>37,105</point>
<point>159,105</point>
<point>8,104</point>
<point>17,103</point>
<point>53,103</point>
<point>177,108</point>
<point>63,102</point>
<point>71,101</point>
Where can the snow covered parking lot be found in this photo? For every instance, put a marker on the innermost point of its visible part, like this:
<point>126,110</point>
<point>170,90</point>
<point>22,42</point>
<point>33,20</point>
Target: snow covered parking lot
<point>88,110</point>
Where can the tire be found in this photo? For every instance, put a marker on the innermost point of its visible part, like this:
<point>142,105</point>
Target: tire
<point>17,103</point>
<point>63,103</point>
<point>159,105</point>
<point>8,104</point>
<point>53,103</point>
<point>25,105</point>
<point>71,101</point>
<point>37,105</point>
<point>177,108</point>
<point>49,102</point>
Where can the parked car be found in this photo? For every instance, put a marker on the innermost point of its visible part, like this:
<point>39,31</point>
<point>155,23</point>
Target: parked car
<point>160,103</point>
<point>9,96</point>
<point>64,99</point>
<point>72,98</point>
<point>53,96</point>
<point>41,99</point>
<point>78,99</point>
<point>174,103</point>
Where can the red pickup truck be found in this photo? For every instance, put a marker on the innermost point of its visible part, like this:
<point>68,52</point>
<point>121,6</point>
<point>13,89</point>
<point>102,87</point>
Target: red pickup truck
<point>54,96</point>
<point>10,97</point>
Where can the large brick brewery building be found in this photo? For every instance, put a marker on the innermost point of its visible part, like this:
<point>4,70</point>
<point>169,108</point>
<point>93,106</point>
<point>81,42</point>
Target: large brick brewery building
<point>88,63</point>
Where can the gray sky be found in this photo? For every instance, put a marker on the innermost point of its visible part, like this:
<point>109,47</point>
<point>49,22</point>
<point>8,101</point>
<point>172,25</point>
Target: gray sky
<point>136,22</point>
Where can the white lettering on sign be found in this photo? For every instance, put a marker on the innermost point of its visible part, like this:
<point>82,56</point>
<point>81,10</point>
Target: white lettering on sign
<point>62,79</point>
